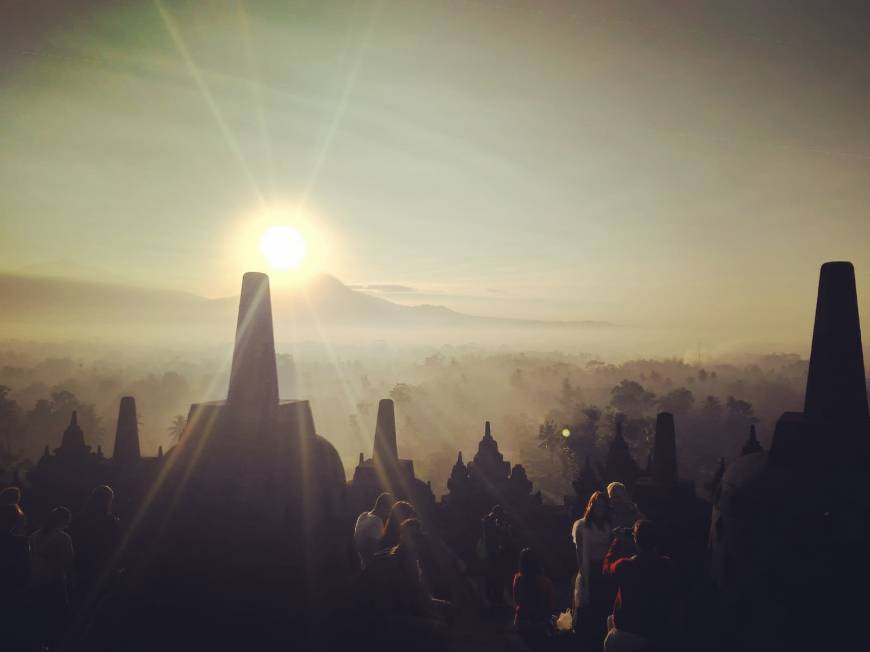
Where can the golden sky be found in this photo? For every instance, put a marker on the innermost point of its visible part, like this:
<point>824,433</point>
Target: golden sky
<point>673,164</point>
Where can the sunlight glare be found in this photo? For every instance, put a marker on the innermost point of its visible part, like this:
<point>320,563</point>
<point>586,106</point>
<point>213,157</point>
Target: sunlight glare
<point>283,247</point>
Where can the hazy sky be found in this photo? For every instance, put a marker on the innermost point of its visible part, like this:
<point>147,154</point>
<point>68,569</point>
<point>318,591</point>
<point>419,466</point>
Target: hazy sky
<point>639,162</point>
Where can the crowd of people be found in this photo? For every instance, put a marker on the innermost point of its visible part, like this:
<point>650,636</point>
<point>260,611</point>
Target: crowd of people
<point>625,593</point>
<point>53,575</point>
<point>411,587</point>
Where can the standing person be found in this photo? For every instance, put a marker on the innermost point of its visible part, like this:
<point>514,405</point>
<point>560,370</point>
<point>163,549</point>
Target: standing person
<point>624,512</point>
<point>97,536</point>
<point>496,539</point>
<point>533,595</point>
<point>14,574</point>
<point>592,596</point>
<point>370,527</point>
<point>52,557</point>
<point>400,512</point>
<point>644,610</point>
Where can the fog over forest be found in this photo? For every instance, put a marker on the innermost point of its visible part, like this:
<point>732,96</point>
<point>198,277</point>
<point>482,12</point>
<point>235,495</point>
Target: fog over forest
<point>443,395</point>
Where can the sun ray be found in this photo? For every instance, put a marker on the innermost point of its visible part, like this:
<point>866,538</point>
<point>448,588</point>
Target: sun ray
<point>207,96</point>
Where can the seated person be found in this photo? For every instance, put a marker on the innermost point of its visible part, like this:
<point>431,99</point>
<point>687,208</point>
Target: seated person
<point>646,582</point>
<point>370,527</point>
<point>393,598</point>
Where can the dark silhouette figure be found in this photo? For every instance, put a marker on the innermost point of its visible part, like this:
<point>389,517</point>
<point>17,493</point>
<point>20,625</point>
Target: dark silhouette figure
<point>370,528</point>
<point>401,511</point>
<point>14,574</point>
<point>534,600</point>
<point>52,558</point>
<point>646,583</point>
<point>624,513</point>
<point>96,533</point>
<point>393,601</point>
<point>497,540</point>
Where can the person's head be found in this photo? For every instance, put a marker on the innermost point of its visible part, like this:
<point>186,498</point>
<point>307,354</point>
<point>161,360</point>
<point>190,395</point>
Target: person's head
<point>10,517</point>
<point>617,492</point>
<point>498,511</point>
<point>597,509</point>
<point>411,535</point>
<point>58,519</point>
<point>399,512</point>
<point>529,565</point>
<point>645,536</point>
<point>383,504</point>
<point>101,499</point>
<point>10,496</point>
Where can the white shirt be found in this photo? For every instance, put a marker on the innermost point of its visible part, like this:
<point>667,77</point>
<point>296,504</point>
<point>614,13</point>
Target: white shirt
<point>367,534</point>
<point>593,543</point>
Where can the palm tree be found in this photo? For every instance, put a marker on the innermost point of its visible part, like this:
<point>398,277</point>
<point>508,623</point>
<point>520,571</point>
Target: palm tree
<point>177,427</point>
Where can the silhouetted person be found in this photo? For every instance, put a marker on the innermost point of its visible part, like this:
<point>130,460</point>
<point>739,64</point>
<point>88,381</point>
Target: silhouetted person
<point>96,532</point>
<point>497,540</point>
<point>442,571</point>
<point>370,528</point>
<point>399,512</point>
<point>646,582</point>
<point>397,607</point>
<point>51,557</point>
<point>14,574</point>
<point>534,600</point>
<point>623,512</point>
<point>592,596</point>
<point>10,496</point>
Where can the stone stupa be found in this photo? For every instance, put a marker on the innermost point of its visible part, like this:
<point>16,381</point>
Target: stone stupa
<point>252,502</point>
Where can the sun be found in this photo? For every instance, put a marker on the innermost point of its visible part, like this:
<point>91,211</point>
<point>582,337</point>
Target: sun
<point>283,247</point>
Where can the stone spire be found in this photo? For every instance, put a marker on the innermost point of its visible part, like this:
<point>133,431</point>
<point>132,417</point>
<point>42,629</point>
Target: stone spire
<point>619,465</point>
<point>457,483</point>
<point>586,481</point>
<point>386,451</point>
<point>73,437</point>
<point>752,445</point>
<point>836,389</point>
<point>127,433</point>
<point>254,375</point>
<point>665,450</point>
<point>487,431</point>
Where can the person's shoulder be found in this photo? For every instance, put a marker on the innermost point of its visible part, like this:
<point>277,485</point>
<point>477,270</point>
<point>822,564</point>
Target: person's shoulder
<point>625,563</point>
<point>364,518</point>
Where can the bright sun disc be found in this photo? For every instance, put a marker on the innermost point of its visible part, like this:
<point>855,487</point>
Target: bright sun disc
<point>283,247</point>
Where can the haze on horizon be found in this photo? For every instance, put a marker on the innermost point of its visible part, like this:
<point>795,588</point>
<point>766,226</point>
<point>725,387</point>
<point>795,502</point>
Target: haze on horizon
<point>681,165</point>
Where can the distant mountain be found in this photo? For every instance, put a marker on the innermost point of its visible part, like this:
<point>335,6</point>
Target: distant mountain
<point>40,305</point>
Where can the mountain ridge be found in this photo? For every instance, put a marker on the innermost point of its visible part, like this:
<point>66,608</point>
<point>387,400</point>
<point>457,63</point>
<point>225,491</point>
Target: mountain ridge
<point>325,302</point>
